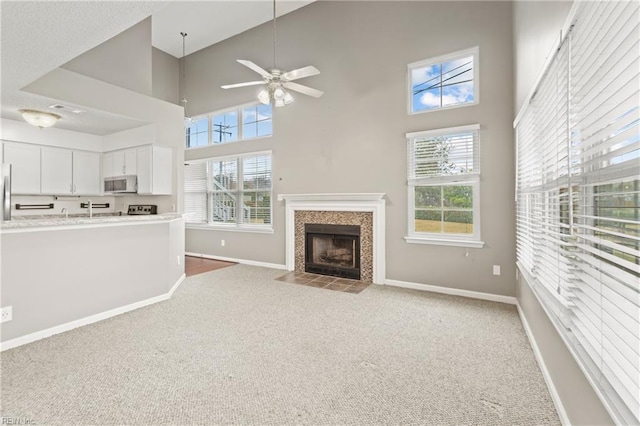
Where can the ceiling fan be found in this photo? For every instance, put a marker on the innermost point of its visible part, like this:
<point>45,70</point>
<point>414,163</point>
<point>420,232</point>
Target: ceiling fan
<point>276,81</point>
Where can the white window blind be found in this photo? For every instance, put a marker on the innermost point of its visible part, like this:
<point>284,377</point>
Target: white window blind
<point>449,154</point>
<point>230,191</point>
<point>578,198</point>
<point>195,192</point>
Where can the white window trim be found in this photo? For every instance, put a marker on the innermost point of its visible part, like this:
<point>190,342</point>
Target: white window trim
<point>475,51</point>
<point>473,180</point>
<point>239,109</point>
<point>460,240</point>
<point>237,227</point>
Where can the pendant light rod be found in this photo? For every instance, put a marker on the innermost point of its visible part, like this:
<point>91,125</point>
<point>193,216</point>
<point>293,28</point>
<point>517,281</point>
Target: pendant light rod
<point>274,34</point>
<point>184,70</point>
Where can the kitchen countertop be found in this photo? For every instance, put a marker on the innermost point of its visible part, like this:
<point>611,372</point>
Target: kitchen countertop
<point>42,222</point>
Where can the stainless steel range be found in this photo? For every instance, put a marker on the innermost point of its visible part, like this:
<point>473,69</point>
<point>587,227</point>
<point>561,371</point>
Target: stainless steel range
<point>138,209</point>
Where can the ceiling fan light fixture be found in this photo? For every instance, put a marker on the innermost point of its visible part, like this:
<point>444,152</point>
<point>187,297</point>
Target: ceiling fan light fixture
<point>287,98</point>
<point>39,118</point>
<point>263,96</point>
<point>278,83</point>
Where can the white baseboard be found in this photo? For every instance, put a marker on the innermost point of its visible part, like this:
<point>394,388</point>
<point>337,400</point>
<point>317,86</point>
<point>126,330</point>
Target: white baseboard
<point>176,285</point>
<point>42,334</point>
<point>241,261</point>
<point>562,413</point>
<point>453,291</point>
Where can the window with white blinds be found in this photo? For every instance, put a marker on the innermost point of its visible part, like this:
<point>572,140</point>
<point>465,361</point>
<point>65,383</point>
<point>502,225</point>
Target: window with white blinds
<point>230,191</point>
<point>578,198</point>
<point>443,182</point>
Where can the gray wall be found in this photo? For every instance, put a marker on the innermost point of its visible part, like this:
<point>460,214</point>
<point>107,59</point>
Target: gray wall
<point>352,139</point>
<point>124,60</point>
<point>165,76</point>
<point>536,28</point>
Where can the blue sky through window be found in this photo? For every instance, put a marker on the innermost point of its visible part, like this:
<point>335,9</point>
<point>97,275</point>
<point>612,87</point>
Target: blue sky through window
<point>442,84</point>
<point>256,121</point>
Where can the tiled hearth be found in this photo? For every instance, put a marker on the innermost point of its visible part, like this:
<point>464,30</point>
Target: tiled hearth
<point>324,281</point>
<point>364,210</point>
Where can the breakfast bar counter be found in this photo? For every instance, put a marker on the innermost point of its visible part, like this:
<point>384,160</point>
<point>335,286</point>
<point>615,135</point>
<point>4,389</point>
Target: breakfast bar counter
<point>61,273</point>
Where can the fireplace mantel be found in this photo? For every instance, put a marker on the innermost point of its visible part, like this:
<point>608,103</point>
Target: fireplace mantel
<point>332,197</point>
<point>355,202</point>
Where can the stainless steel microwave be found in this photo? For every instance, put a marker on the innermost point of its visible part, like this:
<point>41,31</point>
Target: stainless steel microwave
<point>121,184</point>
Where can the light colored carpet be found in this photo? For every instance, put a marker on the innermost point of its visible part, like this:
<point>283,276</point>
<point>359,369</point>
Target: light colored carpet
<point>234,346</point>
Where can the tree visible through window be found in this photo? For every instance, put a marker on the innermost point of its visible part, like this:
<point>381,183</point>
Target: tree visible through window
<point>443,179</point>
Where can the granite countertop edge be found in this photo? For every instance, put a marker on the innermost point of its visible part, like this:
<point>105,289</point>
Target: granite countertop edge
<point>54,222</point>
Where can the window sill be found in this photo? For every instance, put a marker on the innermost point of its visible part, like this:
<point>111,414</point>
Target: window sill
<point>444,242</point>
<point>209,145</point>
<point>232,228</point>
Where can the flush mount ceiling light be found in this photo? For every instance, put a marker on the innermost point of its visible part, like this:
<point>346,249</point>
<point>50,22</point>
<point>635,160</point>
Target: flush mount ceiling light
<point>278,82</point>
<point>39,118</point>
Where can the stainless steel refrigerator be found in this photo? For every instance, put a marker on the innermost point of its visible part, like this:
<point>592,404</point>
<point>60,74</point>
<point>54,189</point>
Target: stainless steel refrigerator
<point>5,186</point>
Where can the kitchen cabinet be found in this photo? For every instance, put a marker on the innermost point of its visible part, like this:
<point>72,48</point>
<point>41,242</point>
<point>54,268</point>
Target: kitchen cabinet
<point>86,173</point>
<point>120,163</point>
<point>57,173</point>
<point>154,169</point>
<point>25,167</point>
<point>65,171</point>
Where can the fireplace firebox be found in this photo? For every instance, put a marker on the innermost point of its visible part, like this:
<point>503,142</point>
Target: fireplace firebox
<point>332,250</point>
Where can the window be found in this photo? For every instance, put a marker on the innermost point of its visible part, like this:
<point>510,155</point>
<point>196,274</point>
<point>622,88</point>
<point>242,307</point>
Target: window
<point>443,181</point>
<point>578,198</point>
<point>230,191</point>
<point>240,123</point>
<point>256,121</point>
<point>225,127</point>
<point>444,82</point>
<point>198,133</point>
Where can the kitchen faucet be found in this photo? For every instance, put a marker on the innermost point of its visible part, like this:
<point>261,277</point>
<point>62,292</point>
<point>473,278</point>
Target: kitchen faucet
<point>90,207</point>
<point>66,212</point>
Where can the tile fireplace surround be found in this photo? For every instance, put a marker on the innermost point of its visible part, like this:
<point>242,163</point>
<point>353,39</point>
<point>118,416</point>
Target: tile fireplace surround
<point>366,210</point>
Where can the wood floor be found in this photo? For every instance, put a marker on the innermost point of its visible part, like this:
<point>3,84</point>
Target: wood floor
<point>199,265</point>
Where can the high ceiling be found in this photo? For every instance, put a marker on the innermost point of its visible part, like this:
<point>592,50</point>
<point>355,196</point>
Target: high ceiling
<point>209,22</point>
<point>39,36</point>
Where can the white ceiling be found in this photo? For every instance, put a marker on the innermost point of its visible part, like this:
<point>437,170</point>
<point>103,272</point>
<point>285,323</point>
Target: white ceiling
<point>38,37</point>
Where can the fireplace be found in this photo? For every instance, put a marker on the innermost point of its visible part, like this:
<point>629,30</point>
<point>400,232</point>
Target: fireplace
<point>332,250</point>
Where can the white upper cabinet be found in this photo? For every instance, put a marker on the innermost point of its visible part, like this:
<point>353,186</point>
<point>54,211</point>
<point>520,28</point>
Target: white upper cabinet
<point>70,172</point>
<point>154,169</point>
<point>25,167</point>
<point>57,171</point>
<point>107,164</point>
<point>86,173</point>
<point>120,163</point>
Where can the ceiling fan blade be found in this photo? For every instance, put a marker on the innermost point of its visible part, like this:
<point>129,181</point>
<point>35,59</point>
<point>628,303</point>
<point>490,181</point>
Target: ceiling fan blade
<point>300,73</point>
<point>303,89</point>
<point>248,83</point>
<point>256,68</point>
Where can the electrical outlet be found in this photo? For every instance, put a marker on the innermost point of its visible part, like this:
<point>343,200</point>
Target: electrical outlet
<point>7,314</point>
<point>178,260</point>
<point>496,269</point>
<point>222,243</point>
